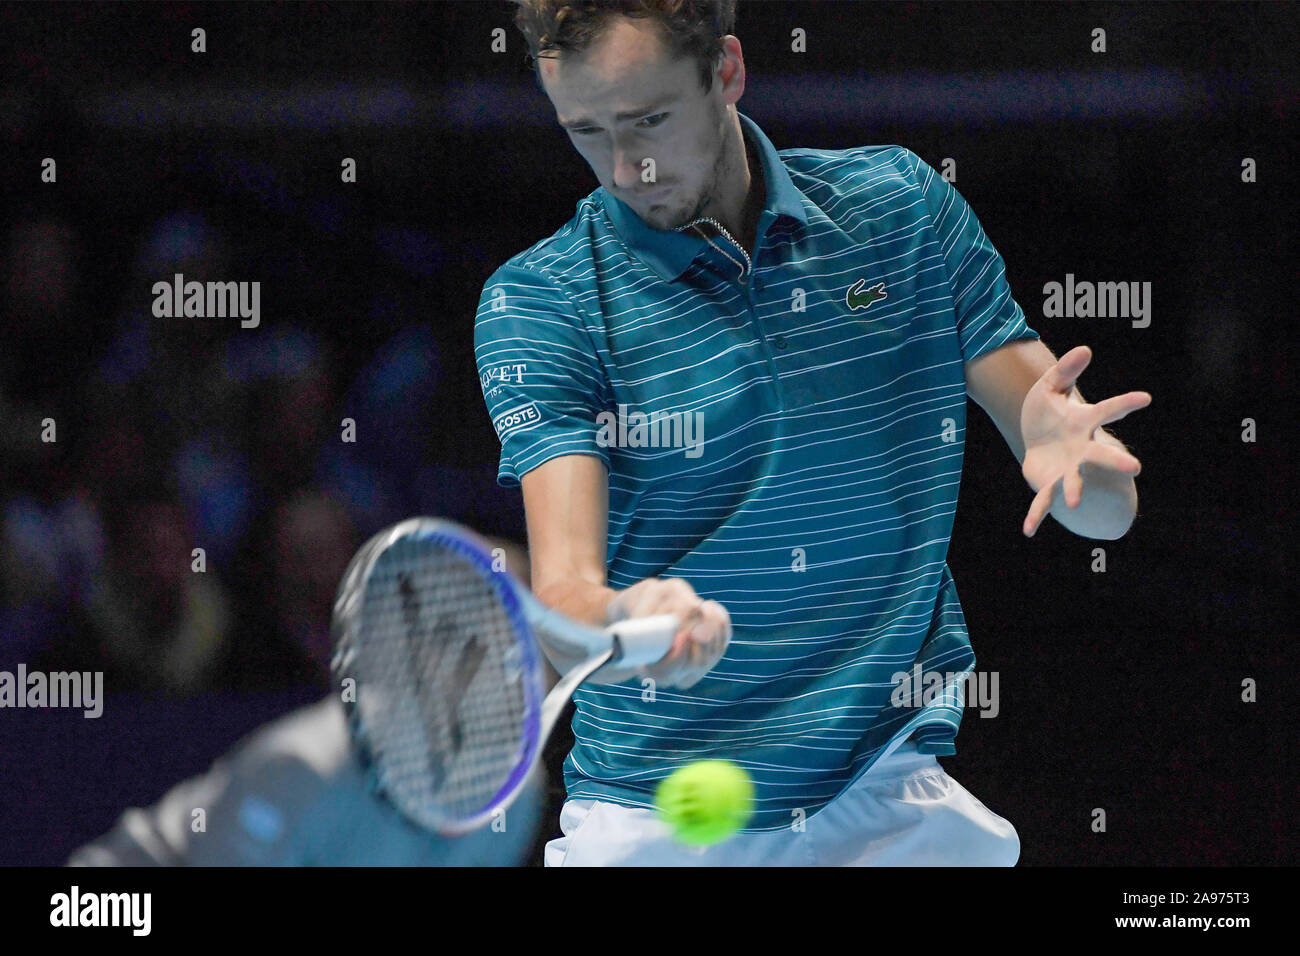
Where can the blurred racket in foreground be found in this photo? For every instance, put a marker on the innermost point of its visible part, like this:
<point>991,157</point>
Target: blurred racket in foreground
<point>437,660</point>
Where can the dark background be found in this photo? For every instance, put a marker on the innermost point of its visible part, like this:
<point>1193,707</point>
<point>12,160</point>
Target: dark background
<point>1118,690</point>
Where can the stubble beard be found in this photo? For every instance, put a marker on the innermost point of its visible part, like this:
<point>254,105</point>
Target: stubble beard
<point>679,214</point>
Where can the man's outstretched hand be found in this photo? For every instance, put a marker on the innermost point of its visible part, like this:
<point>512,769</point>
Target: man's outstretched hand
<point>1058,427</point>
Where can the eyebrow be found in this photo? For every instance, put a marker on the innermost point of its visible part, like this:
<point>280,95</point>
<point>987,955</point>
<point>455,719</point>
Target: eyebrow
<point>621,116</point>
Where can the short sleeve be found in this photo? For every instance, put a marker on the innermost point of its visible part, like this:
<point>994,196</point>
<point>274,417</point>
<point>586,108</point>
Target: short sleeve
<point>988,317</point>
<point>542,379</point>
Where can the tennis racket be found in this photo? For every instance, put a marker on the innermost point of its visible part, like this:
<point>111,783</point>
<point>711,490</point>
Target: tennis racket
<point>437,659</point>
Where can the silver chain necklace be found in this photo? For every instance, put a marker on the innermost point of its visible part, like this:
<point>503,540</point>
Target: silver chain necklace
<point>717,225</point>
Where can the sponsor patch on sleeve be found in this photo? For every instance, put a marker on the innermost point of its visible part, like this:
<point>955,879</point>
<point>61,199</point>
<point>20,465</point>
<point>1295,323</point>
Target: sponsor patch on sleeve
<point>516,419</point>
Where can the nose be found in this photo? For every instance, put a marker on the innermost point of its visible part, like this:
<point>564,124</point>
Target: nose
<point>627,169</point>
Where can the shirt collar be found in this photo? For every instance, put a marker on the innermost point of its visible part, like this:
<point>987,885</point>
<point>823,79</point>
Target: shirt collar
<point>668,252</point>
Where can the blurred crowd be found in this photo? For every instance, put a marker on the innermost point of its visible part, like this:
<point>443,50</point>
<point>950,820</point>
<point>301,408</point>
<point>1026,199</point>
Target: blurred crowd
<point>177,500</point>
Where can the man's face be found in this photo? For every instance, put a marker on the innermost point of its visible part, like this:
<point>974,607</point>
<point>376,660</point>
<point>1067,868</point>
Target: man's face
<point>668,118</point>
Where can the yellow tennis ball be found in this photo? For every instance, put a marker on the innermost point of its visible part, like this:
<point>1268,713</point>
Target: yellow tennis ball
<point>705,802</point>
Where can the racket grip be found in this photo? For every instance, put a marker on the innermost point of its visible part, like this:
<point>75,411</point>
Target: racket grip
<point>642,640</point>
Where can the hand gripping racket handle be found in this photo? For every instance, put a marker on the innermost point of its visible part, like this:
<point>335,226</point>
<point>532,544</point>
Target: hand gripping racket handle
<point>640,641</point>
<point>636,642</point>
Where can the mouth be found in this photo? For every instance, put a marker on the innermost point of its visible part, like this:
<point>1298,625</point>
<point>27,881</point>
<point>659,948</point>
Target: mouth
<point>652,197</point>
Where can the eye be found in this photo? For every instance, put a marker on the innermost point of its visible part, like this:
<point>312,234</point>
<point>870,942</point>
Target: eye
<point>652,122</point>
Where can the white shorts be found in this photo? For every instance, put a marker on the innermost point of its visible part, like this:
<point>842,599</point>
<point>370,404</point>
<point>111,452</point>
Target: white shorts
<point>905,811</point>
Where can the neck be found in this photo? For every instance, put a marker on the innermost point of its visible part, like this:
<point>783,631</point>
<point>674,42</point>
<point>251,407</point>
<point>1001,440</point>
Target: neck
<point>755,200</point>
<point>744,193</point>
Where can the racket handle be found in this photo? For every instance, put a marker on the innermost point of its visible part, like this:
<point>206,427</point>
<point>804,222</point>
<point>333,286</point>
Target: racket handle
<point>641,641</point>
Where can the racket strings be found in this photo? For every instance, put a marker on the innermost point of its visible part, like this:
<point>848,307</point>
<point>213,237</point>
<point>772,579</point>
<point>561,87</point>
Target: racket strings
<point>439,682</point>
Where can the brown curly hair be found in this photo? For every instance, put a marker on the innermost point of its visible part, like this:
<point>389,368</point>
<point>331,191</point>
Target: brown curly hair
<point>691,28</point>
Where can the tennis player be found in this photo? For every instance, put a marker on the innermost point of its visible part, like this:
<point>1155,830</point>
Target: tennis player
<point>733,387</point>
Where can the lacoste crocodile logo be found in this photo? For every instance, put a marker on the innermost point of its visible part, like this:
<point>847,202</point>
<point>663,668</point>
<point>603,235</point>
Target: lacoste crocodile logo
<point>856,298</point>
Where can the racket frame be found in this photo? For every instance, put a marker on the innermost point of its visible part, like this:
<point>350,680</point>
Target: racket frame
<point>630,643</point>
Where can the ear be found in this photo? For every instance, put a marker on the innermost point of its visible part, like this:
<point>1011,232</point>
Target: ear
<point>732,70</point>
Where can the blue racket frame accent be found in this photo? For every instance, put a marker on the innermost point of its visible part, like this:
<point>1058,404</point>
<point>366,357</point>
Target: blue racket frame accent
<point>475,551</point>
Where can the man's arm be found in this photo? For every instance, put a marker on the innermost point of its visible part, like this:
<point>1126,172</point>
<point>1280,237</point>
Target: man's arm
<point>998,382</point>
<point>544,385</point>
<point>566,505</point>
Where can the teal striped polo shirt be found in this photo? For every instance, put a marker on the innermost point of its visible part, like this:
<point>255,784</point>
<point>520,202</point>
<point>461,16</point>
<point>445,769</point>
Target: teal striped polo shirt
<point>783,432</point>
